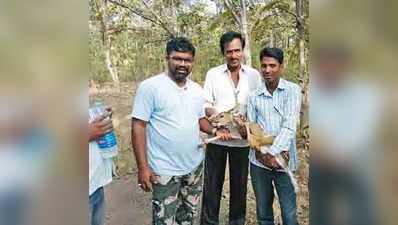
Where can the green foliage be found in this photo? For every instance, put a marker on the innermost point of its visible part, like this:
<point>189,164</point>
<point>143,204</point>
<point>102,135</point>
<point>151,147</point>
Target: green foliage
<point>138,43</point>
<point>96,58</point>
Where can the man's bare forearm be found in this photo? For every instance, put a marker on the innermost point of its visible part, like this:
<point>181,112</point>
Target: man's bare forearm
<point>205,126</point>
<point>138,141</point>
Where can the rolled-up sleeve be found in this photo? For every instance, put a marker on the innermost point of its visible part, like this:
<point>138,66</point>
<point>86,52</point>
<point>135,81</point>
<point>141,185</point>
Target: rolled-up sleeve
<point>208,91</point>
<point>289,122</point>
<point>201,108</point>
<point>143,103</point>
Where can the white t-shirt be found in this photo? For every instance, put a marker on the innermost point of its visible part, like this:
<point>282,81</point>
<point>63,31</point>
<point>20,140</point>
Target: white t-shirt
<point>173,114</point>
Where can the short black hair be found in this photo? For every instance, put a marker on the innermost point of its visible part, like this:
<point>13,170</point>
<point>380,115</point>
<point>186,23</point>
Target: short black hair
<point>228,37</point>
<point>275,53</point>
<point>180,44</point>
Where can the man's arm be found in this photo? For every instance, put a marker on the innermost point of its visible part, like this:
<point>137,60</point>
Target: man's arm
<point>209,96</point>
<point>144,104</point>
<point>100,126</point>
<point>289,123</point>
<point>138,141</point>
<point>266,159</point>
<point>206,127</point>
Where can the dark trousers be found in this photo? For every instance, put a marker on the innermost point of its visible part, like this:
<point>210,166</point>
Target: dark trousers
<point>215,161</point>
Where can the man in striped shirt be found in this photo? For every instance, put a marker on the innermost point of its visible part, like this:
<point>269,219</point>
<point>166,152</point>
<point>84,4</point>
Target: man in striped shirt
<point>275,106</point>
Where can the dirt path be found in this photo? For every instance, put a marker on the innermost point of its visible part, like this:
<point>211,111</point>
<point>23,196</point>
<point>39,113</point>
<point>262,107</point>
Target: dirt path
<point>126,203</point>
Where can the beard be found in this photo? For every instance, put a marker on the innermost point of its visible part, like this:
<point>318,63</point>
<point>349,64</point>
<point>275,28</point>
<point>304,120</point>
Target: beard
<point>180,73</point>
<point>234,63</point>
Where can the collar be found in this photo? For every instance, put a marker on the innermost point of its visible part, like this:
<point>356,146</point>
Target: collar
<point>185,87</point>
<point>281,86</point>
<point>225,68</point>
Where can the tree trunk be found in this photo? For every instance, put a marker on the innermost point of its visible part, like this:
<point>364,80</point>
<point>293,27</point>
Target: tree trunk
<point>271,40</point>
<point>301,41</point>
<point>106,41</point>
<point>109,65</point>
<point>302,77</point>
<point>219,7</point>
<point>174,18</point>
<point>244,30</point>
<point>286,47</point>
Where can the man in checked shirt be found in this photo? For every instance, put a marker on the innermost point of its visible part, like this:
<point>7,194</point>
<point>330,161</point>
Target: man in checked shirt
<point>275,106</point>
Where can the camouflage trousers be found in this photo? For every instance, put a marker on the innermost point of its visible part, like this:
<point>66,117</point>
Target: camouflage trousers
<point>175,198</point>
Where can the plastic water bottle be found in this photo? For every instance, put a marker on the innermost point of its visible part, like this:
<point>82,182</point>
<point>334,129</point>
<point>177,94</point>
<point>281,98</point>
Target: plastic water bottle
<point>107,143</point>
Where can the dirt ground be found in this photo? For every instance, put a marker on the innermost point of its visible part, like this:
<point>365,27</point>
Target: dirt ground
<point>129,205</point>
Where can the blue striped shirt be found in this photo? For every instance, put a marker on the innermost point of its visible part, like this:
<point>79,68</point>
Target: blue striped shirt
<point>278,115</point>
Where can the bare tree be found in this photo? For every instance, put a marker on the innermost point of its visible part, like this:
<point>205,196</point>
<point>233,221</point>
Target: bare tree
<point>102,7</point>
<point>301,41</point>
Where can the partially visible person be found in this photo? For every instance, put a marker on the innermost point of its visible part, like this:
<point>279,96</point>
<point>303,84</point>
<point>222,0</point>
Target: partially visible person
<point>275,106</point>
<point>167,117</point>
<point>100,169</point>
<point>346,113</point>
<point>24,155</point>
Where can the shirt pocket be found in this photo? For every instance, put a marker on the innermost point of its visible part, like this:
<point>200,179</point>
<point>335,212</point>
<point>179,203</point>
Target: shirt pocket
<point>278,109</point>
<point>279,105</point>
<point>278,114</point>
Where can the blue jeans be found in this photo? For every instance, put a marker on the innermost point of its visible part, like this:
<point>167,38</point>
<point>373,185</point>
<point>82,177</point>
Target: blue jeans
<point>14,207</point>
<point>264,191</point>
<point>97,204</point>
<point>346,188</point>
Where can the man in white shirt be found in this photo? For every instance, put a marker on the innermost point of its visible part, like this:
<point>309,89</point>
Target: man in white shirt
<point>227,86</point>
<point>100,169</point>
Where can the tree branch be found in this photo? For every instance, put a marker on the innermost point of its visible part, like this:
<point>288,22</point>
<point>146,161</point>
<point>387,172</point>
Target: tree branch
<point>161,23</point>
<point>119,29</point>
<point>156,41</point>
<point>141,14</point>
<point>229,6</point>
<point>290,13</point>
